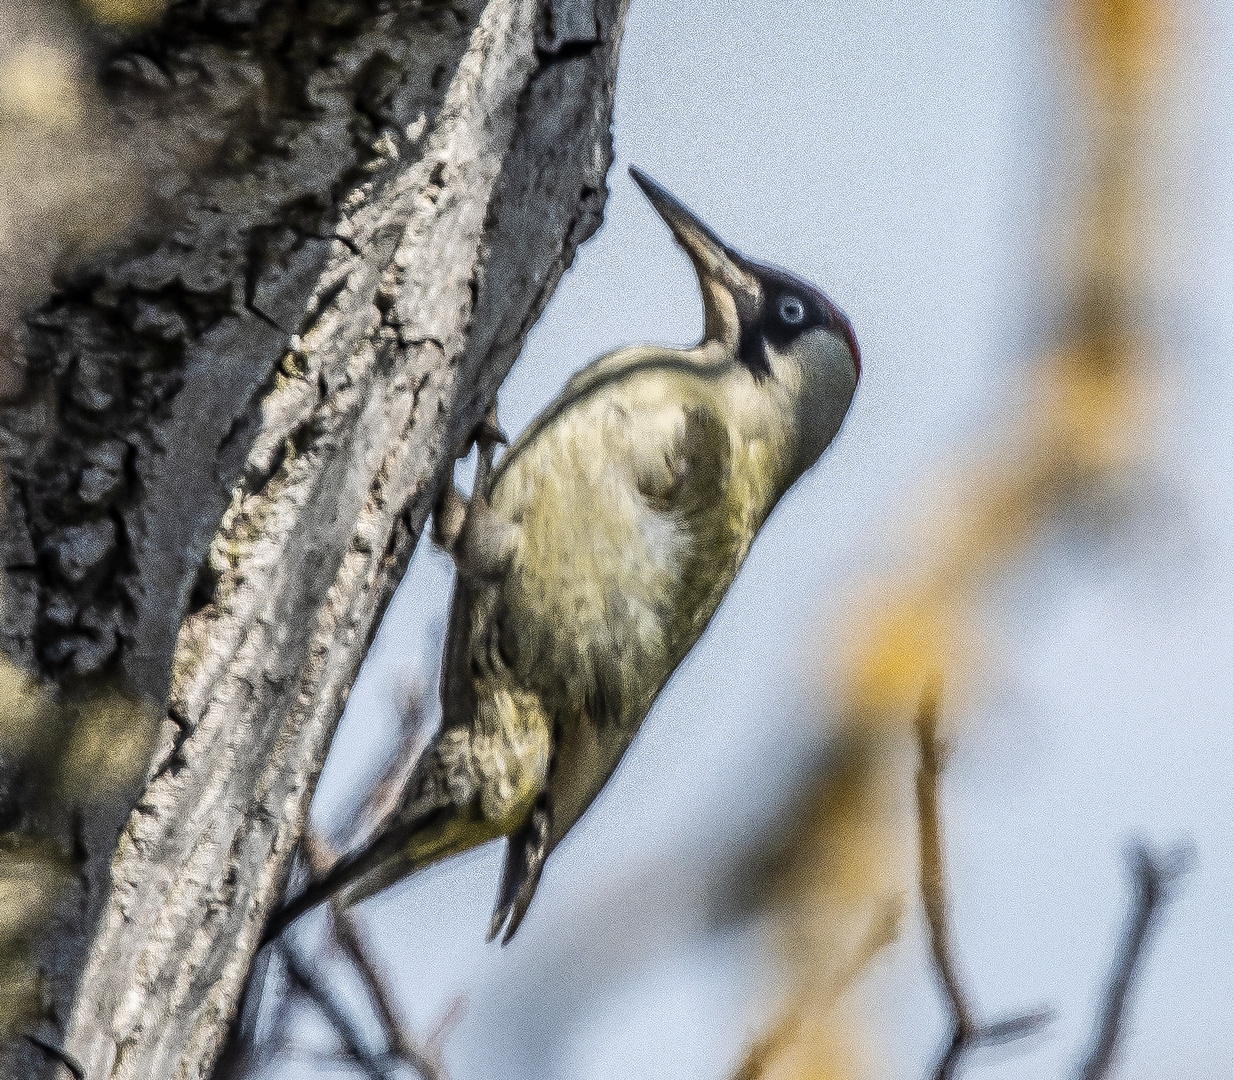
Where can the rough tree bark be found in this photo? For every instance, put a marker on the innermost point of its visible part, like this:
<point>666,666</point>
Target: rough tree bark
<point>229,429</point>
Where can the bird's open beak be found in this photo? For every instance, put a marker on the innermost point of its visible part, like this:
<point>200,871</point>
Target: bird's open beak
<point>729,290</point>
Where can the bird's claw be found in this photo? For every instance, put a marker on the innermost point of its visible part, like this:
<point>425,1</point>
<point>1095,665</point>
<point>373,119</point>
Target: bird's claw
<point>486,434</point>
<point>449,516</point>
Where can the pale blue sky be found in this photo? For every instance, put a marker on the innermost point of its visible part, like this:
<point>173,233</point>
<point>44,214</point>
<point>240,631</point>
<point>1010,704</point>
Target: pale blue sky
<point>901,156</point>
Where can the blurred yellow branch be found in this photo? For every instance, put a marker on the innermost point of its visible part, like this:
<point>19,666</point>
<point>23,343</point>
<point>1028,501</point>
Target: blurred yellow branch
<point>883,930</point>
<point>1082,433</point>
<point>1085,425</point>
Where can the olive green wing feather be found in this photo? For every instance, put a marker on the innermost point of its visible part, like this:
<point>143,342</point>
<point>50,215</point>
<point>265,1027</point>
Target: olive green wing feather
<point>681,480</point>
<point>693,486</point>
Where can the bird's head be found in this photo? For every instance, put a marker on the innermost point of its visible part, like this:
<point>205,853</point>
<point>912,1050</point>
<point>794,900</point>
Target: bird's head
<point>772,323</point>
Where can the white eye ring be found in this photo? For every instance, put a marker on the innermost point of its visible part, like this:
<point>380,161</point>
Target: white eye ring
<point>791,310</point>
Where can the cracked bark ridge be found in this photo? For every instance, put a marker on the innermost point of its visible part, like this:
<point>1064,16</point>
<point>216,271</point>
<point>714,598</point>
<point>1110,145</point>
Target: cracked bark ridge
<point>231,428</point>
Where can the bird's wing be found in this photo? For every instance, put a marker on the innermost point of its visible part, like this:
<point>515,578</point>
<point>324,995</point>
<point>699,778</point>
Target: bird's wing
<point>621,460</point>
<point>678,455</point>
<point>663,544</point>
<point>602,376</point>
<point>688,479</point>
<point>471,601</point>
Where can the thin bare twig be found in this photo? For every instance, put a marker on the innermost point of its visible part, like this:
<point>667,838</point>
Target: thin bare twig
<point>385,797</point>
<point>1154,877</point>
<point>883,929</point>
<point>304,979</point>
<point>244,1054</point>
<point>772,1042</point>
<point>399,1041</point>
<point>260,1054</point>
<point>967,1033</point>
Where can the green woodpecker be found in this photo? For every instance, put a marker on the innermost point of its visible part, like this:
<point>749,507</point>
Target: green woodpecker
<point>595,555</point>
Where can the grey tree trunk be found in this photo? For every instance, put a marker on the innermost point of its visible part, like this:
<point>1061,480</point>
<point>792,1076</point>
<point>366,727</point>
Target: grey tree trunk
<point>223,436</point>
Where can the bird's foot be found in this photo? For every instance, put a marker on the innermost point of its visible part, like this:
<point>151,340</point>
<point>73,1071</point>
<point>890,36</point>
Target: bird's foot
<point>480,541</point>
<point>449,517</point>
<point>487,433</point>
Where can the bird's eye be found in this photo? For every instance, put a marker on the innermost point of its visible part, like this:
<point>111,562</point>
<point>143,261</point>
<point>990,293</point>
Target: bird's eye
<point>791,310</point>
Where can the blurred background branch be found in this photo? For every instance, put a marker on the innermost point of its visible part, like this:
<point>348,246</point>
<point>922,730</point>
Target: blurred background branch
<point>1083,436</point>
<point>969,1032</point>
<point>1154,878</point>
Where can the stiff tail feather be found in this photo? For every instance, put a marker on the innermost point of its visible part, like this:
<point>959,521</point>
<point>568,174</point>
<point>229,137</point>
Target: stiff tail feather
<point>524,863</point>
<point>391,856</point>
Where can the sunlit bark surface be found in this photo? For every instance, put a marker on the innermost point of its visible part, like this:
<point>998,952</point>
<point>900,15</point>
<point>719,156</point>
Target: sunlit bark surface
<point>223,434</point>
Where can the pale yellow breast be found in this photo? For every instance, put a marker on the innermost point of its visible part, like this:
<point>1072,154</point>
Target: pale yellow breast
<point>594,587</point>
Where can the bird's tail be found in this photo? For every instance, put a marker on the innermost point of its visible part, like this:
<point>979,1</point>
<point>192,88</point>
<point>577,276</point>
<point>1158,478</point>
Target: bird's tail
<point>399,851</point>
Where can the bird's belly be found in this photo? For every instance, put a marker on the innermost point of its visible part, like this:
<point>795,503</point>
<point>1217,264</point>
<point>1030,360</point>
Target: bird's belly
<point>595,602</point>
